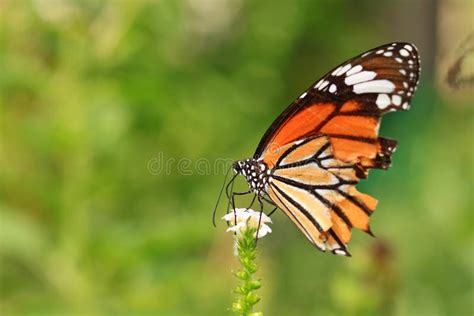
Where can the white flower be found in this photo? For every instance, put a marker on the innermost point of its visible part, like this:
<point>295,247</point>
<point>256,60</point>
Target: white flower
<point>241,218</point>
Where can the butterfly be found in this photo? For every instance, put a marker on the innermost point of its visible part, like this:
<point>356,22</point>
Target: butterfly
<point>310,159</point>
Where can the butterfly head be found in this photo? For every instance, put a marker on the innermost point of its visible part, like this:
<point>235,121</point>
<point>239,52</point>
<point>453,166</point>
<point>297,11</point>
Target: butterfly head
<point>255,172</point>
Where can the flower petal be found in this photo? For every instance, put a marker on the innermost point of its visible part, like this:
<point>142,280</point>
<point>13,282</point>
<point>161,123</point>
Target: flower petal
<point>241,219</point>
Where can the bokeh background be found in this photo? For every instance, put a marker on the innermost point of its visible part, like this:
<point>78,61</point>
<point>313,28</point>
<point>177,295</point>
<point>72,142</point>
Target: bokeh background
<point>93,94</point>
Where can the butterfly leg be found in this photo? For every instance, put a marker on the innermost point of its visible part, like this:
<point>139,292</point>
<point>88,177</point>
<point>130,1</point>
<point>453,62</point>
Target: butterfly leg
<point>232,200</point>
<point>259,220</point>
<point>270,202</point>
<point>251,203</point>
<point>272,211</point>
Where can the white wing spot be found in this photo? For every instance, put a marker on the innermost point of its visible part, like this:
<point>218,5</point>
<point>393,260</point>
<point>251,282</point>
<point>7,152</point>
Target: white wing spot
<point>323,85</point>
<point>403,72</point>
<point>318,83</point>
<point>303,95</point>
<point>404,52</point>
<point>375,86</point>
<point>336,70</point>
<point>405,105</point>
<point>383,100</point>
<point>409,47</point>
<point>354,70</point>
<point>396,99</point>
<point>399,60</point>
<point>332,88</point>
<point>340,252</point>
<point>343,69</point>
<point>388,54</point>
<point>380,51</point>
<point>360,77</point>
<point>405,84</point>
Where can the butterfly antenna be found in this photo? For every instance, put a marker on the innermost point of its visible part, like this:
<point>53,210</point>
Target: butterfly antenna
<point>230,186</point>
<point>219,198</point>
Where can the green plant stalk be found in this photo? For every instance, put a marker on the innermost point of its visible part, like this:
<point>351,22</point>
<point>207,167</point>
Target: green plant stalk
<point>247,254</point>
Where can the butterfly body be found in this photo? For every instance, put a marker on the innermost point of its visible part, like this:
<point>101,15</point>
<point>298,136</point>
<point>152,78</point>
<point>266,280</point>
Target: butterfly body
<point>255,172</point>
<point>313,155</point>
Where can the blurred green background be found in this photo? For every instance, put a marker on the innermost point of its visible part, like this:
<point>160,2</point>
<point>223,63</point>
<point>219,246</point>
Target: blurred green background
<point>93,93</point>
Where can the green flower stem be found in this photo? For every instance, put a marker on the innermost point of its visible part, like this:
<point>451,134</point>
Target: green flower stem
<point>247,253</point>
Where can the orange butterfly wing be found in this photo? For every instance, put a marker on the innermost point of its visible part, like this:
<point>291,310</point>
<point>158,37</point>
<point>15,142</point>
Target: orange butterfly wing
<point>342,111</point>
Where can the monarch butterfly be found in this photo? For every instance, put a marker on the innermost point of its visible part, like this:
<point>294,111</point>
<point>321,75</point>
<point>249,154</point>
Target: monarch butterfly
<point>310,159</point>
